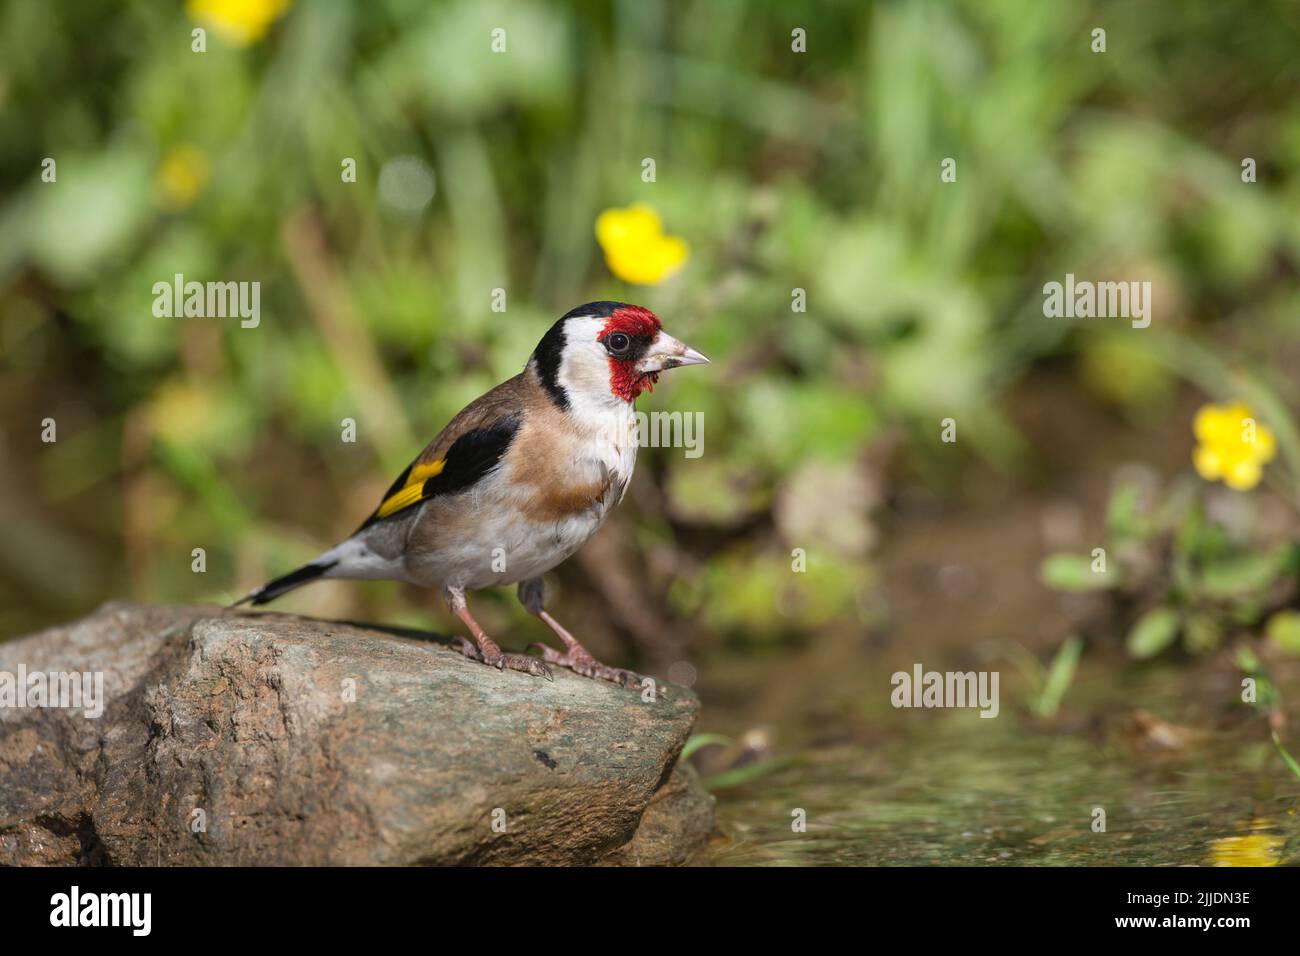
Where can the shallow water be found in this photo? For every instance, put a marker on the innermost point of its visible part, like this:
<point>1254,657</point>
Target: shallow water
<point>951,788</point>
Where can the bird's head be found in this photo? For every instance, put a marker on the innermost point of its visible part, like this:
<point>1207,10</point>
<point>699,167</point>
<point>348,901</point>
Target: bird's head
<point>607,352</point>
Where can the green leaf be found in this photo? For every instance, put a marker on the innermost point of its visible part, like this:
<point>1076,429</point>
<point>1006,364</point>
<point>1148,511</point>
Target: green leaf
<point>1286,755</point>
<point>698,742</point>
<point>1123,512</point>
<point>1202,634</point>
<point>84,223</point>
<point>1239,576</point>
<point>1283,631</point>
<point>1200,539</point>
<point>746,773</point>
<point>1246,660</point>
<point>1074,573</point>
<point>1153,632</point>
<point>1288,558</point>
<point>1059,676</point>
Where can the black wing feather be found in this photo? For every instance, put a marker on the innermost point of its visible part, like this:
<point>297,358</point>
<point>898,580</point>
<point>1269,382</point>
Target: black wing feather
<point>468,460</point>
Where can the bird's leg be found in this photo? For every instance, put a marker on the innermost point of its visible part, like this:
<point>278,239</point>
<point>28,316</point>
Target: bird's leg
<point>575,657</point>
<point>487,650</point>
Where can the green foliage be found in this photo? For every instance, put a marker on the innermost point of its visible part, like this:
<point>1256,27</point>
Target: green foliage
<point>1197,578</point>
<point>1285,754</point>
<point>746,773</point>
<point>1268,700</point>
<point>817,172</point>
<point>697,742</point>
<point>1283,631</point>
<point>1153,632</point>
<point>1075,573</point>
<point>1059,677</point>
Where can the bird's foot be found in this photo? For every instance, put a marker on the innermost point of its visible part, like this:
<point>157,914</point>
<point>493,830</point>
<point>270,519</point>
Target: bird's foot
<point>495,657</point>
<point>579,660</point>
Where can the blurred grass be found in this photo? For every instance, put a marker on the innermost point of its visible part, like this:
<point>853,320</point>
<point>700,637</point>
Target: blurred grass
<point>817,171</point>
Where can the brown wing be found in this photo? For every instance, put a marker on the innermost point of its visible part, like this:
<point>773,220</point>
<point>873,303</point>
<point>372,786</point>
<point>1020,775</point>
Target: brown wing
<point>471,445</point>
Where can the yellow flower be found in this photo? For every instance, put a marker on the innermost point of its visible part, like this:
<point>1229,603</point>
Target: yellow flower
<point>241,22</point>
<point>636,249</point>
<point>181,177</point>
<point>1231,446</point>
<point>1257,849</point>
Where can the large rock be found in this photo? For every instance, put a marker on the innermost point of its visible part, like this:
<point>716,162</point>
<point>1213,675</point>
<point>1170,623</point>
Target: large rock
<point>243,738</point>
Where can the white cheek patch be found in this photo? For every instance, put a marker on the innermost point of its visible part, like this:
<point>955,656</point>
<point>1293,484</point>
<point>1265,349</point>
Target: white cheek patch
<point>584,372</point>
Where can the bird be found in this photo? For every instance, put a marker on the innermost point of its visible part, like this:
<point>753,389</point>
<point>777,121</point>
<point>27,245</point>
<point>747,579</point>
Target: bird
<point>516,483</point>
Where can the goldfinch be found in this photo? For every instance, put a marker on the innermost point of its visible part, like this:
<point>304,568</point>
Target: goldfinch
<point>517,482</point>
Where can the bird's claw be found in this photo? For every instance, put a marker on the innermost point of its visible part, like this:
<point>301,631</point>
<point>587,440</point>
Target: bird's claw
<point>468,648</point>
<point>521,662</point>
<point>580,661</point>
<point>501,661</point>
<point>548,653</point>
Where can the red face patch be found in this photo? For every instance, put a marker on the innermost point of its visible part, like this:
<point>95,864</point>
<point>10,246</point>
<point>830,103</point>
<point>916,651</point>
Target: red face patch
<point>641,326</point>
<point>632,320</point>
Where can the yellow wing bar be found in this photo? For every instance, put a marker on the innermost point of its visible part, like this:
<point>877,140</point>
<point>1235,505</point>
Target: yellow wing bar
<point>412,490</point>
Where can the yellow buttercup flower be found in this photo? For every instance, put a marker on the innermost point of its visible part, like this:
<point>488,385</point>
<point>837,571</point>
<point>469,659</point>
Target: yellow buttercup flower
<point>636,249</point>
<point>240,22</point>
<point>1232,446</point>
<point>181,177</point>
<point>1258,849</point>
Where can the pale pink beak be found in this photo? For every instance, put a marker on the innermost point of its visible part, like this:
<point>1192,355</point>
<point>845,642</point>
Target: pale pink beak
<point>667,352</point>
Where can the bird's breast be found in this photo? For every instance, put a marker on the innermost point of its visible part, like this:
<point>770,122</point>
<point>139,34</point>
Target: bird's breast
<point>584,488</point>
<point>552,492</point>
<point>563,474</point>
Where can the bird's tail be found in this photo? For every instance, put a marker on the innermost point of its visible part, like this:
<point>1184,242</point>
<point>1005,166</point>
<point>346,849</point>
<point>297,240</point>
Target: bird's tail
<point>286,583</point>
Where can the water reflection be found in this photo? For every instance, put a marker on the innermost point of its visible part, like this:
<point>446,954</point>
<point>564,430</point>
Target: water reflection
<point>961,791</point>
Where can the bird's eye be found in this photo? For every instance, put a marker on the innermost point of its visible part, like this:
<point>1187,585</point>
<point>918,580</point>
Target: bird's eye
<point>618,343</point>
